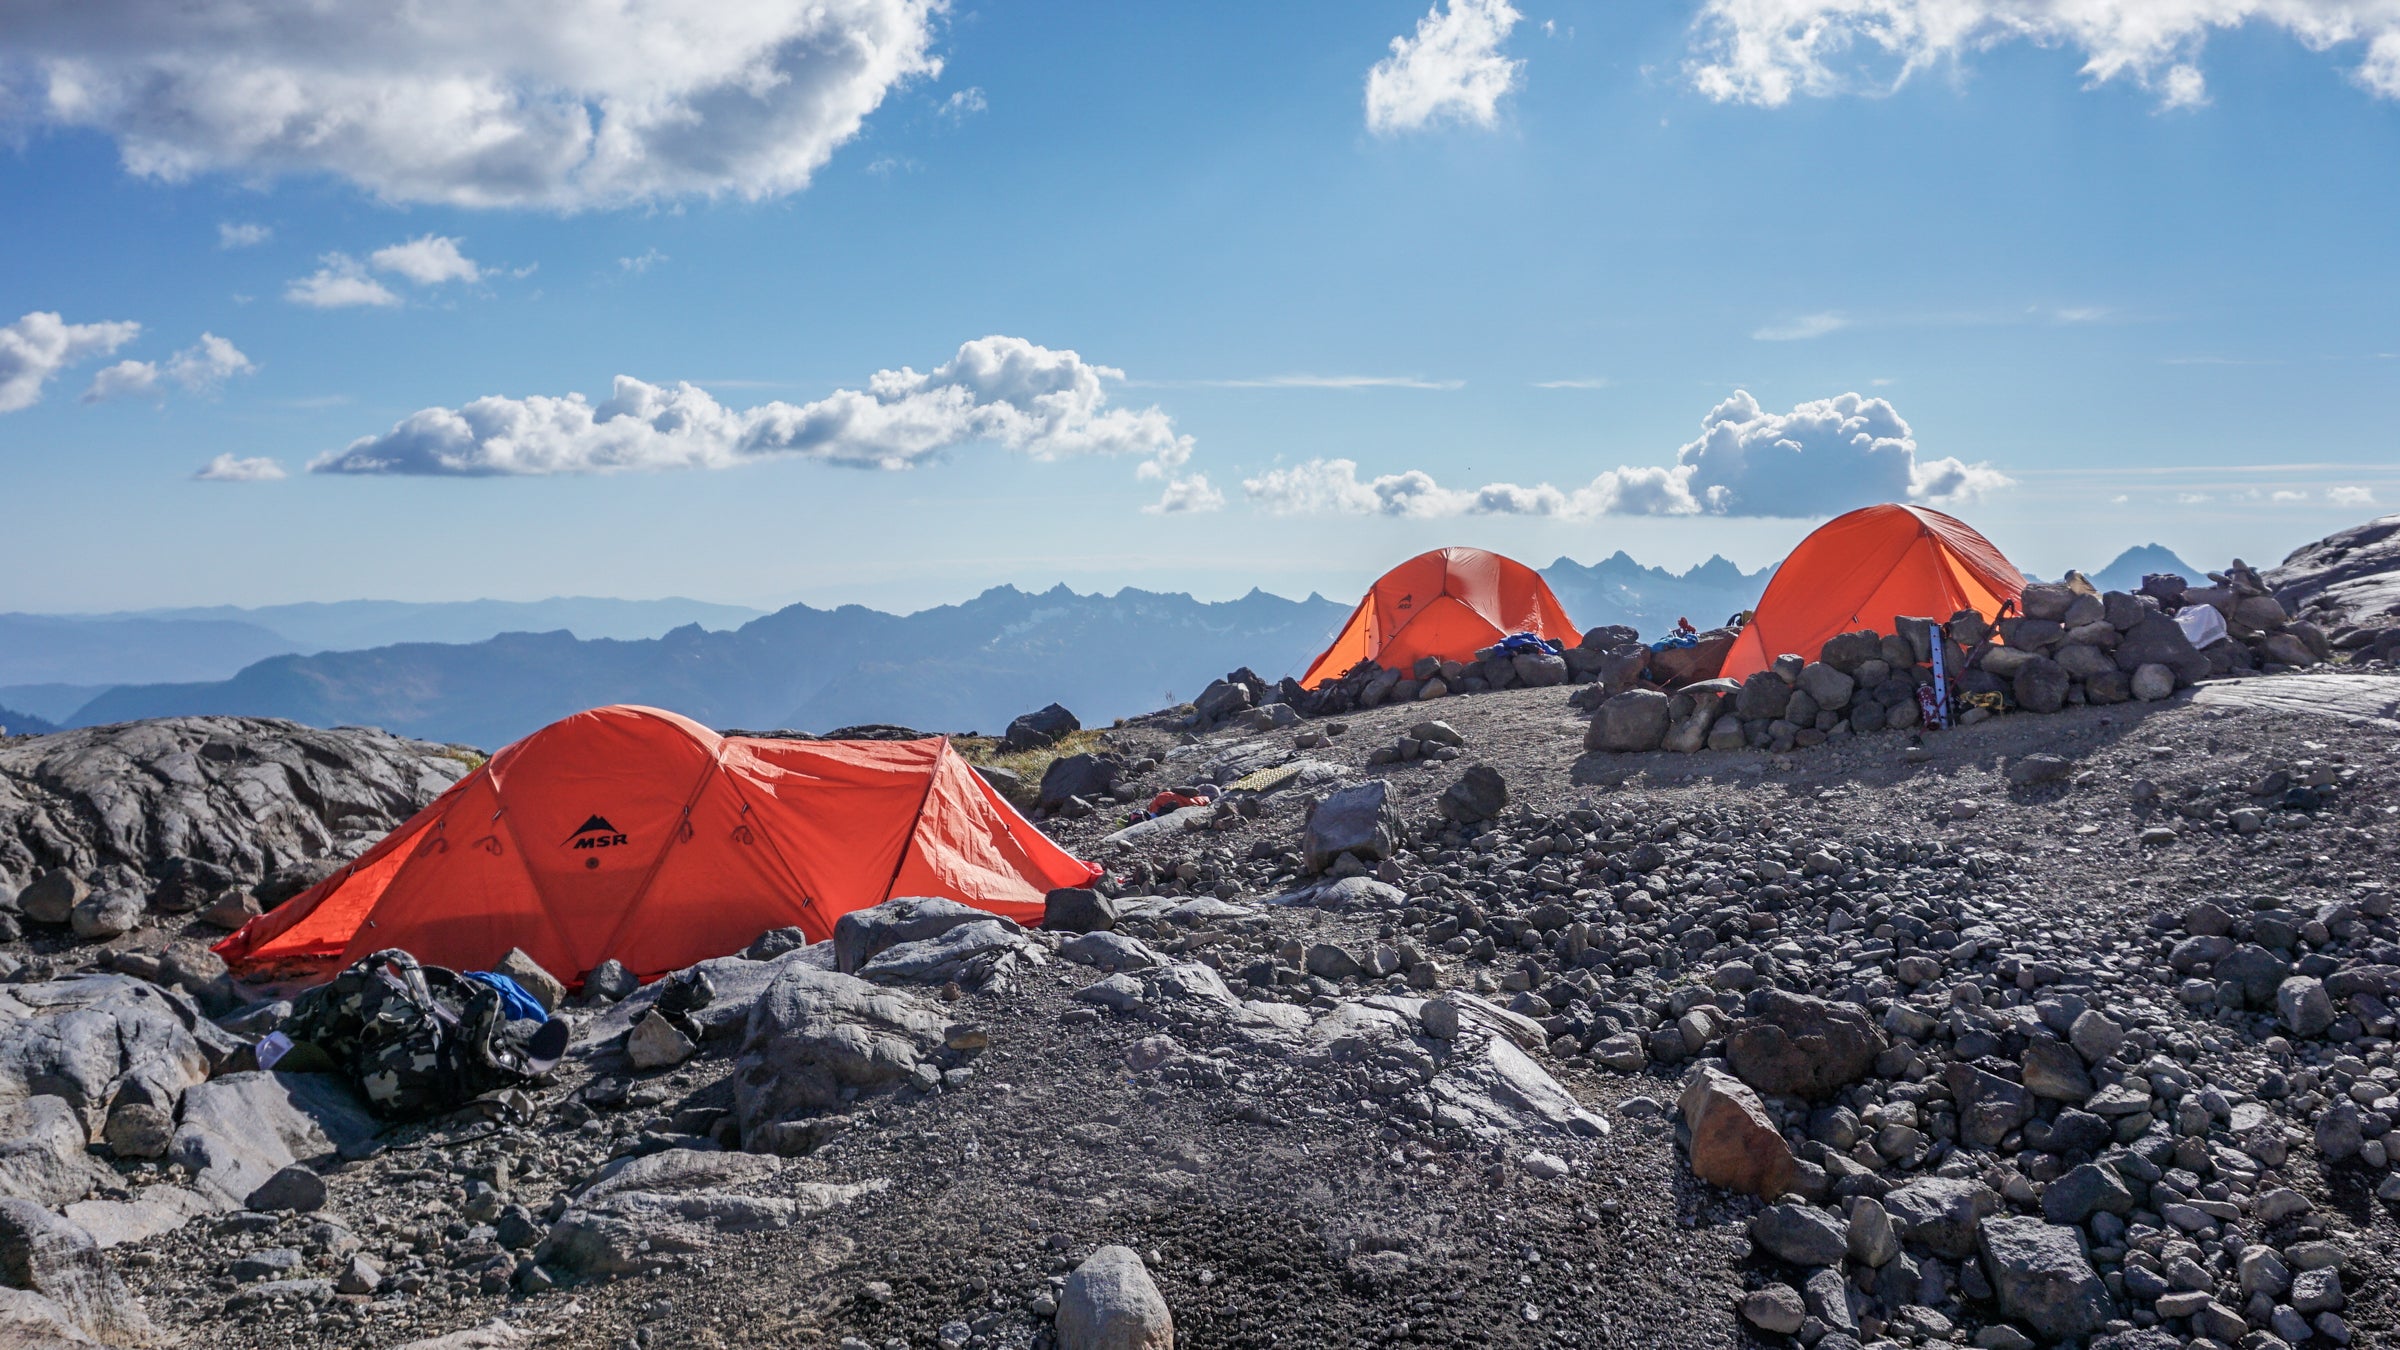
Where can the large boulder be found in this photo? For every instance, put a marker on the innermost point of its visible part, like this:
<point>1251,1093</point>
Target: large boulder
<point>1799,1046</point>
<point>1044,726</point>
<point>2043,1278</point>
<point>1088,776</point>
<point>1355,822</point>
<point>2156,639</point>
<point>860,935</point>
<point>2350,576</point>
<point>1111,1303</point>
<point>241,1129</point>
<point>245,795</point>
<point>94,1038</point>
<point>1635,720</point>
<point>816,1035</point>
<point>1734,1141</point>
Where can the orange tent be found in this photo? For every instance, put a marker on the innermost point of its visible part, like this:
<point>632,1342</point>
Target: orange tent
<point>1447,604</point>
<point>1864,569</point>
<point>636,834</point>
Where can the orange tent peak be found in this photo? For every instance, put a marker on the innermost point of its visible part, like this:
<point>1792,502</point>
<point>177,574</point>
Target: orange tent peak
<point>1446,604</point>
<point>1867,568</point>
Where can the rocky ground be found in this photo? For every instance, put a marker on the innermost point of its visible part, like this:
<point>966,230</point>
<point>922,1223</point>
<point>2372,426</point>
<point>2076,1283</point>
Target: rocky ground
<point>2060,1029</point>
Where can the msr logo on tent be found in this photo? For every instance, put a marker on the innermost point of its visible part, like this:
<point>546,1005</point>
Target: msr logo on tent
<point>596,833</point>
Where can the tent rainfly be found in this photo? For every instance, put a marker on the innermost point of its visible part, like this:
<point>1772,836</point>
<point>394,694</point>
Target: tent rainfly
<point>638,835</point>
<point>1444,604</point>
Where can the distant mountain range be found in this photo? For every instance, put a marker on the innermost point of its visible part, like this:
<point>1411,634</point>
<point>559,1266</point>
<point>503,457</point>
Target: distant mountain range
<point>2126,573</point>
<point>963,667</point>
<point>155,645</point>
<point>455,676</point>
<point>1619,590</point>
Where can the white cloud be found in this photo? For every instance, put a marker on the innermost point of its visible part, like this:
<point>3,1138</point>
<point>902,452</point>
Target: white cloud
<point>41,344</point>
<point>647,259</point>
<point>1800,329</point>
<point>1766,51</point>
<point>964,104</point>
<point>2350,496</point>
<point>340,282</point>
<point>428,260</point>
<point>208,363</point>
<point>125,379</point>
<point>565,104</point>
<point>2290,495</point>
<point>1820,458</point>
<point>199,368</point>
<point>227,468</point>
<point>1597,382</point>
<point>1189,494</point>
<point>1037,401</point>
<point>235,234</point>
<point>1450,71</point>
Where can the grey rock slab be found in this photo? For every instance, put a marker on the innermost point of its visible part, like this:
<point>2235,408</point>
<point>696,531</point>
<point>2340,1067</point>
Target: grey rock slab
<point>1110,952</point>
<point>85,1038</point>
<point>157,1210</point>
<point>50,1256</point>
<point>814,1034</point>
<point>628,1232</point>
<point>243,1128</point>
<point>42,1156</point>
<point>952,954</point>
<point>861,933</point>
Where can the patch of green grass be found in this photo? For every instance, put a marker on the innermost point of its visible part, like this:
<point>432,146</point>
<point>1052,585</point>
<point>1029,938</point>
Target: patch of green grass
<point>990,753</point>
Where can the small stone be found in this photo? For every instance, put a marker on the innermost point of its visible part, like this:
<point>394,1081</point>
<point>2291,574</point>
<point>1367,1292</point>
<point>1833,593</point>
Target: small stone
<point>1776,1309</point>
<point>1872,1241</point>
<point>2316,1291</point>
<point>1801,1234</point>
<point>1439,1017</point>
<point>106,914</point>
<point>2304,1006</point>
<point>656,1043</point>
<point>1734,1142</point>
<point>610,981</point>
<point>294,1188</point>
<point>532,978</point>
<point>362,1274</point>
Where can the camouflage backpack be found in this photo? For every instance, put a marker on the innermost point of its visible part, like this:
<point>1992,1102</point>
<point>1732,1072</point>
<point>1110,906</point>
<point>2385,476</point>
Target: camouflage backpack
<point>419,1040</point>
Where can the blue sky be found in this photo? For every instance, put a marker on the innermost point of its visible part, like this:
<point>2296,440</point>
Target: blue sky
<point>2090,286</point>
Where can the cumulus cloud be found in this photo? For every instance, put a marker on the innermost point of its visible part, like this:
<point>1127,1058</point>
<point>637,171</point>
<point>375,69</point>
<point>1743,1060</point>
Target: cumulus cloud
<point>199,368</point>
<point>1766,51</point>
<point>1821,458</point>
<point>230,468</point>
<point>340,282</point>
<point>428,260</point>
<point>1451,71</point>
<point>1189,494</point>
<point>2350,496</point>
<point>642,262</point>
<point>964,104</point>
<point>1040,402</point>
<point>41,344</point>
<point>545,103</point>
<point>235,234</point>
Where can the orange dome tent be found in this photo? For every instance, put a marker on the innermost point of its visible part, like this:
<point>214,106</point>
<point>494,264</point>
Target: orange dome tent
<point>1446,604</point>
<point>1864,569</point>
<point>636,834</point>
